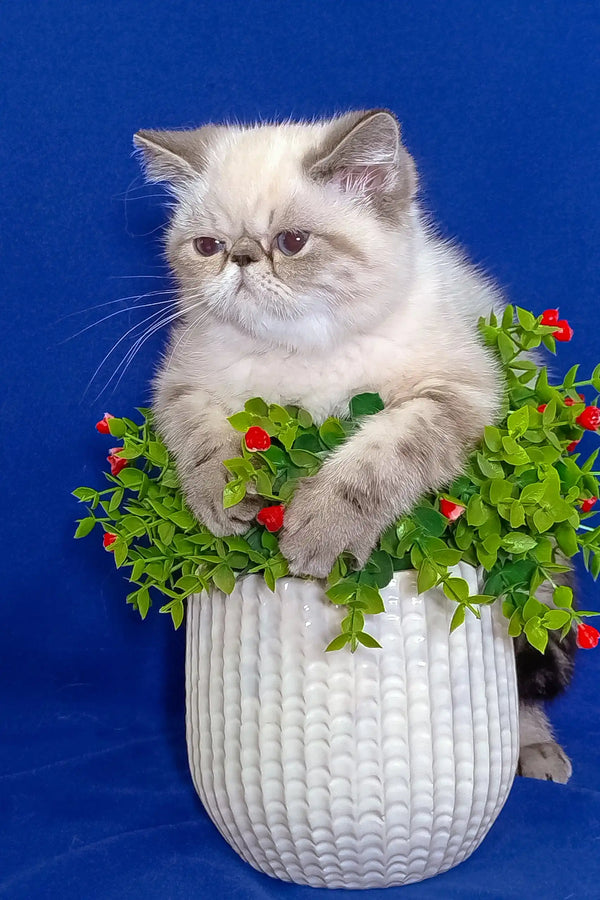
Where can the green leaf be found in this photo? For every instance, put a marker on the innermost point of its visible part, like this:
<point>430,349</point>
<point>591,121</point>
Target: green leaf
<point>142,601</point>
<point>555,619</point>
<point>177,611</point>
<point>278,414</point>
<point>224,578</point>
<point>256,407</point>
<point>515,625</point>
<point>338,642</point>
<point>566,538</point>
<point>456,589</point>
<point>430,520</point>
<point>518,421</point>
<point>563,596</point>
<point>367,640</point>
<point>342,591</point>
<point>131,477</point>
<point>233,492</point>
<point>85,493</point>
<point>500,490</point>
<point>184,519</point>
<point>532,608</point>
<point>331,433</point>
<point>458,618</point>
<point>370,599</point>
<point>117,427</point>
<point>241,421</point>
<point>166,532</point>
<point>85,526</point>
<point>536,634</point>
<point>526,319</point>
<point>365,405</point>
<point>493,438</point>
<point>518,542</point>
<point>427,577</point>
<point>304,459</point>
<point>477,512</point>
<point>305,419</point>
<point>239,466</point>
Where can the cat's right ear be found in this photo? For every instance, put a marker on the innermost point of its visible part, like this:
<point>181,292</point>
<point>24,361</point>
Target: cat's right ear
<point>173,156</point>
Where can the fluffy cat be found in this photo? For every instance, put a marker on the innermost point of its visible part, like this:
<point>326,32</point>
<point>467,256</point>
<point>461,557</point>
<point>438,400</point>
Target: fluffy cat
<point>306,274</point>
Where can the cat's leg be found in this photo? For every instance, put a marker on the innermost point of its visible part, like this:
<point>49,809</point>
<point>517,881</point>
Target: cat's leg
<point>199,436</point>
<point>540,755</point>
<point>541,677</point>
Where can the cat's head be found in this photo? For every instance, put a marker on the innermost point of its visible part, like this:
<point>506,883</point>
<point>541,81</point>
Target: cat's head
<point>297,233</point>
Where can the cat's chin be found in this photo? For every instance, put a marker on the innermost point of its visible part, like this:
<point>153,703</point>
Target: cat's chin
<point>307,333</point>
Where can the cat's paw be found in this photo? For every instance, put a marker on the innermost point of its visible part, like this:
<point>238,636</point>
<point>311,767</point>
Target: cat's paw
<point>203,491</point>
<point>322,521</point>
<point>547,761</point>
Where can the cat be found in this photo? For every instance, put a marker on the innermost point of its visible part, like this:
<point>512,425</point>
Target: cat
<point>306,273</point>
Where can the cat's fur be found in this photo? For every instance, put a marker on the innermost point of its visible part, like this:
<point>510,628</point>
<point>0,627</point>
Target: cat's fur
<point>373,302</point>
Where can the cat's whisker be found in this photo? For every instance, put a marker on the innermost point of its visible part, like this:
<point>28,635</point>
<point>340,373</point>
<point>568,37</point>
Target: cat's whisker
<point>79,312</point>
<point>132,352</point>
<point>155,315</point>
<point>113,314</point>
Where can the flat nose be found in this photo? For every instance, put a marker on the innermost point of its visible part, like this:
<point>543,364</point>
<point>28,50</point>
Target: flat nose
<point>246,251</point>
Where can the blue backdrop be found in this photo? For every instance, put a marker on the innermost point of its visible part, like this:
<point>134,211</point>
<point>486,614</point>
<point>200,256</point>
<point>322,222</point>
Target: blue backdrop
<point>500,108</point>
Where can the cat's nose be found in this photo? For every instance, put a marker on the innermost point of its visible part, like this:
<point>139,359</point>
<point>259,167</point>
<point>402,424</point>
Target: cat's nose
<point>246,251</point>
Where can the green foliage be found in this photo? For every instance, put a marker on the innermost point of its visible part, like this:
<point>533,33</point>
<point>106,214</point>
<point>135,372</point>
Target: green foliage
<point>521,493</point>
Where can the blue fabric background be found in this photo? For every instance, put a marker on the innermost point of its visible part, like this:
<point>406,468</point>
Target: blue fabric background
<point>500,108</point>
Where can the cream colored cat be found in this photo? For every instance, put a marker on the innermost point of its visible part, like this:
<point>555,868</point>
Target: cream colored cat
<point>306,274</point>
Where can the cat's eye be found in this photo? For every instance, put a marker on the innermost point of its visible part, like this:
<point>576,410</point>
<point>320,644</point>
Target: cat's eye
<point>291,242</point>
<point>208,246</point>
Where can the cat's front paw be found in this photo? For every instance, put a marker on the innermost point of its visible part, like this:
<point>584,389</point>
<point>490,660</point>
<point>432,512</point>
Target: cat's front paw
<point>203,489</point>
<point>322,521</point>
<point>546,760</point>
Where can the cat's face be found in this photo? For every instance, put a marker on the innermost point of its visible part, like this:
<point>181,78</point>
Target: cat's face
<point>295,233</point>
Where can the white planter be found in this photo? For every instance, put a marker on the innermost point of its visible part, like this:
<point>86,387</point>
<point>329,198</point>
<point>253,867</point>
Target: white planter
<point>377,768</point>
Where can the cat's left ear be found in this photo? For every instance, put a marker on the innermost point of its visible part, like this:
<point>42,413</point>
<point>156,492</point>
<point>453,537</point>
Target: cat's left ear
<point>362,154</point>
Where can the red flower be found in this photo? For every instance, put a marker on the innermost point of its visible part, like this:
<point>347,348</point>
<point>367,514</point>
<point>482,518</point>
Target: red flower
<point>587,504</point>
<point>257,439</point>
<point>564,332</point>
<point>589,418</point>
<point>116,462</point>
<point>541,408</point>
<point>451,510</point>
<point>549,317</point>
<point>587,636</point>
<point>108,539</point>
<point>570,402</point>
<point>271,517</point>
<point>102,425</point>
<point>572,445</point>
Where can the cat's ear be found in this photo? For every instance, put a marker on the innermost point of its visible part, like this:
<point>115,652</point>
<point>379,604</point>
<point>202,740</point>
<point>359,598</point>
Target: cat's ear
<point>173,156</point>
<point>362,155</point>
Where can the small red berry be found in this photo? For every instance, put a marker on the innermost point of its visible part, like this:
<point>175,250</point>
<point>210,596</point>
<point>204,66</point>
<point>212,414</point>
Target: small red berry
<point>271,517</point>
<point>587,504</point>
<point>102,425</point>
<point>549,317</point>
<point>542,407</point>
<point>257,439</point>
<point>451,510</point>
<point>116,462</point>
<point>589,418</point>
<point>587,636</point>
<point>108,539</point>
<point>564,332</point>
<point>572,445</point>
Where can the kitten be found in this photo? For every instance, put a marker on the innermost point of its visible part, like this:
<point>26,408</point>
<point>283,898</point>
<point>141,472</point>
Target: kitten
<point>306,274</point>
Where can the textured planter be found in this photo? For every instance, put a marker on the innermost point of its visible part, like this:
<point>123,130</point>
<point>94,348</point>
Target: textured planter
<point>381,767</point>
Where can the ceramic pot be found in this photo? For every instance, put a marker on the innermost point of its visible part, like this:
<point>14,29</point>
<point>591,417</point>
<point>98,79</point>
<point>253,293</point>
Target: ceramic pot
<point>377,768</point>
